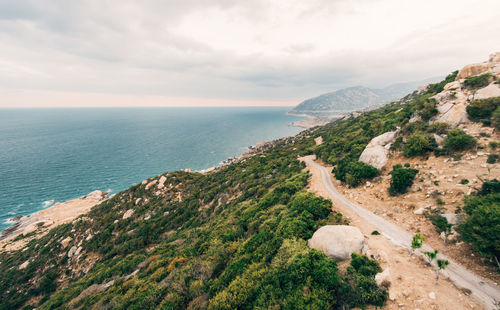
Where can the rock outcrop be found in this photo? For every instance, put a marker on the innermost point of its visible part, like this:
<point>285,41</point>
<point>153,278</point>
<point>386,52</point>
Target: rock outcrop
<point>96,195</point>
<point>452,102</point>
<point>338,241</point>
<point>376,151</point>
<point>492,90</point>
<point>492,65</point>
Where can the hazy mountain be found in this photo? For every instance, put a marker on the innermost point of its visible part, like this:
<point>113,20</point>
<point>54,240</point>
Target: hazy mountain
<point>358,97</point>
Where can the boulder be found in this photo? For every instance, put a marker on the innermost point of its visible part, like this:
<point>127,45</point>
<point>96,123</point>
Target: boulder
<point>150,184</point>
<point>452,113</point>
<point>161,182</point>
<point>439,139</point>
<point>453,218</point>
<point>474,69</point>
<point>338,241</point>
<point>128,214</point>
<point>376,151</point>
<point>96,195</point>
<point>492,90</point>
<point>383,278</point>
<point>23,265</point>
<point>419,211</point>
<point>453,86</point>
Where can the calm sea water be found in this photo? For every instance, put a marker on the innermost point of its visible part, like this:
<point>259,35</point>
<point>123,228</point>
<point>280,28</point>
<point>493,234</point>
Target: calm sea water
<point>53,155</point>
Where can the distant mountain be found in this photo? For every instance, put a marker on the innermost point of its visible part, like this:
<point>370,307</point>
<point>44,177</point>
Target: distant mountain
<point>357,98</point>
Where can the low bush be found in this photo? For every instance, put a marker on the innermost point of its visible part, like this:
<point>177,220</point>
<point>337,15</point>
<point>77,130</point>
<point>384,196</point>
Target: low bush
<point>429,109</point>
<point>457,140</point>
<point>353,172</point>
<point>478,80</point>
<point>492,158</point>
<point>402,179</point>
<point>483,108</point>
<point>482,228</point>
<point>418,144</point>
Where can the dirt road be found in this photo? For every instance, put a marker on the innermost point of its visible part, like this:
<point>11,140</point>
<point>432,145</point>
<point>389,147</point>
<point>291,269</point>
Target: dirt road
<point>487,294</point>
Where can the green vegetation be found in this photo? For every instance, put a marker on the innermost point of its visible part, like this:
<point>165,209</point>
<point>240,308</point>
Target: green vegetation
<point>402,179</point>
<point>354,172</point>
<point>478,80</point>
<point>492,158</point>
<point>457,140</point>
<point>418,145</point>
<point>417,242</point>
<point>236,237</point>
<point>482,228</point>
<point>484,110</point>
<point>429,109</point>
<point>441,264</point>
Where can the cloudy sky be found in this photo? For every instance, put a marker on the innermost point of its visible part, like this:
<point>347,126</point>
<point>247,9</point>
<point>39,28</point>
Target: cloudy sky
<point>225,52</point>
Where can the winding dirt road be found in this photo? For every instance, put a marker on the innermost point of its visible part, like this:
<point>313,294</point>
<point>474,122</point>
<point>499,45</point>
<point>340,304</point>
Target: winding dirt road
<point>481,290</point>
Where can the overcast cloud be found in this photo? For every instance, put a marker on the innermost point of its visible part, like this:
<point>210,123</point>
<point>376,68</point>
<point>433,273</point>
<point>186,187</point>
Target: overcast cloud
<point>195,52</point>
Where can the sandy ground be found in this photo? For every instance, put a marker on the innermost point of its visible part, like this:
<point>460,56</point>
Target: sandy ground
<point>42,221</point>
<point>412,281</point>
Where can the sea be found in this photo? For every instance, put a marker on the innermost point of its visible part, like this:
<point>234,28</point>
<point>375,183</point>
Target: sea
<point>54,155</point>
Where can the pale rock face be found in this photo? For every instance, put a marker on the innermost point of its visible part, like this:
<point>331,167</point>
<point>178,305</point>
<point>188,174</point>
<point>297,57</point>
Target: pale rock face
<point>453,86</point>
<point>318,140</point>
<point>382,277</point>
<point>150,184</point>
<point>161,182</point>
<point>452,218</point>
<point>24,265</point>
<point>96,195</point>
<point>376,151</point>
<point>338,241</point>
<point>452,113</point>
<point>439,139</point>
<point>128,214</point>
<point>492,90</point>
<point>492,65</point>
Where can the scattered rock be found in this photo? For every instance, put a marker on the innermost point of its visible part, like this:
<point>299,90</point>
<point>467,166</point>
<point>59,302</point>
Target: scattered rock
<point>128,214</point>
<point>453,218</point>
<point>318,140</point>
<point>161,182</point>
<point>137,201</point>
<point>419,211</point>
<point>23,265</point>
<point>432,295</point>
<point>150,184</point>
<point>338,241</point>
<point>65,242</point>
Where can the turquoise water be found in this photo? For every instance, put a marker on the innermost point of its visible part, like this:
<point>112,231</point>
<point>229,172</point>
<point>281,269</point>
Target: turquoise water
<point>53,155</point>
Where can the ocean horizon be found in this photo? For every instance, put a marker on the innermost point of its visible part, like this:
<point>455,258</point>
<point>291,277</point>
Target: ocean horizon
<point>50,155</point>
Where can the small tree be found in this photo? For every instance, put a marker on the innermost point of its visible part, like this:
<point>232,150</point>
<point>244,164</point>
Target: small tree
<point>431,256</point>
<point>441,265</point>
<point>416,243</point>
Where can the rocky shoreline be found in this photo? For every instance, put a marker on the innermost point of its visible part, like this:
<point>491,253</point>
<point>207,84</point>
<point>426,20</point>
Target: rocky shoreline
<point>38,223</point>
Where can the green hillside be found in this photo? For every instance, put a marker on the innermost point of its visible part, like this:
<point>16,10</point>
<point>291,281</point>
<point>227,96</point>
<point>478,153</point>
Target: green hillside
<point>234,238</point>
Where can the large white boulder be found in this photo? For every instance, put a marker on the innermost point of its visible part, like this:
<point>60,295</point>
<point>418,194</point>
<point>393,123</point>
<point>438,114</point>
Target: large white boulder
<point>492,90</point>
<point>491,65</point>
<point>452,113</point>
<point>337,241</point>
<point>376,151</point>
<point>96,195</point>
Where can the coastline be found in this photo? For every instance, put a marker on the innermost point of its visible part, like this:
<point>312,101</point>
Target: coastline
<point>37,224</point>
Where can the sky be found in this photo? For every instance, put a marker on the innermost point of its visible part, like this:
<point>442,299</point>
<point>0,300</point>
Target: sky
<point>99,53</point>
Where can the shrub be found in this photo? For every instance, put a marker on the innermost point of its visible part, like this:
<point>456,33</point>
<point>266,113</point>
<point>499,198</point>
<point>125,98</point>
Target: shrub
<point>482,228</point>
<point>439,87</point>
<point>402,179</point>
<point>354,172</point>
<point>496,118</point>
<point>418,144</point>
<point>429,110</point>
<point>438,128</point>
<point>478,80</point>
<point>492,158</point>
<point>482,108</point>
<point>464,181</point>
<point>489,187</point>
<point>457,140</point>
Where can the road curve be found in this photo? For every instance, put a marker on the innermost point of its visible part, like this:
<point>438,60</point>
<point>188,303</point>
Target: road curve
<point>485,293</point>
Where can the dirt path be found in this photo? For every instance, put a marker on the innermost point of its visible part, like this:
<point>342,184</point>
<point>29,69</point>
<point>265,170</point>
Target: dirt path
<point>487,294</point>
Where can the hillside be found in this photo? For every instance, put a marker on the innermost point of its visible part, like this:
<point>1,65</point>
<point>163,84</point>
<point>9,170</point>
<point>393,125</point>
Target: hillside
<point>237,237</point>
<point>355,98</point>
